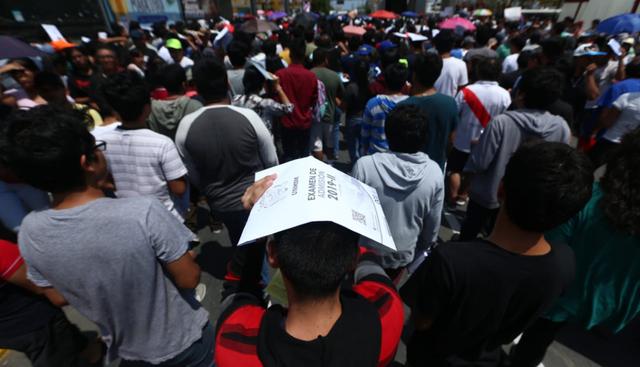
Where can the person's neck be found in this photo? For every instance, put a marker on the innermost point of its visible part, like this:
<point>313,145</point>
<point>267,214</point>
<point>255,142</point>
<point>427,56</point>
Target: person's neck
<point>219,102</point>
<point>422,91</point>
<point>510,237</point>
<point>134,125</point>
<point>445,55</point>
<point>75,198</point>
<point>308,319</point>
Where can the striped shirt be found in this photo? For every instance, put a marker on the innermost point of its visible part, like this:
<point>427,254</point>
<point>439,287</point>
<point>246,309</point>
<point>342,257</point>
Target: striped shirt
<point>372,136</point>
<point>142,162</point>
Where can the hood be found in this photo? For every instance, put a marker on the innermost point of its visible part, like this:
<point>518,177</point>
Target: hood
<point>388,103</point>
<point>401,171</point>
<point>536,122</point>
<point>169,110</point>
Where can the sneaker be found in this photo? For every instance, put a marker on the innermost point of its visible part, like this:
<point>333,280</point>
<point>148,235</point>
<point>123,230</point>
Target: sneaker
<point>201,292</point>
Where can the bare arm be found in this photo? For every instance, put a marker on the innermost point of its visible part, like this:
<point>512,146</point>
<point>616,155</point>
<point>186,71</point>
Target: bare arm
<point>608,117</point>
<point>178,186</point>
<point>184,271</point>
<point>19,278</point>
<point>591,85</point>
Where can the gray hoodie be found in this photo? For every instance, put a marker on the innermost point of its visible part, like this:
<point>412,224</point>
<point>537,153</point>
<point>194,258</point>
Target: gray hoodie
<point>502,137</point>
<point>411,191</point>
<point>166,114</point>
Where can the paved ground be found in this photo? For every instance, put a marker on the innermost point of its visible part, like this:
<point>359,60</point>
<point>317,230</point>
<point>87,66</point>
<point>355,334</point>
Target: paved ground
<point>574,347</point>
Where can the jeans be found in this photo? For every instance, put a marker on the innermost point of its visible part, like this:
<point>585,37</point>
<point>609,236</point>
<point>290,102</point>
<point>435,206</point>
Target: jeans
<point>354,125</point>
<point>295,143</point>
<point>335,133</point>
<point>199,354</point>
<point>235,222</point>
<point>478,218</point>
<point>17,200</point>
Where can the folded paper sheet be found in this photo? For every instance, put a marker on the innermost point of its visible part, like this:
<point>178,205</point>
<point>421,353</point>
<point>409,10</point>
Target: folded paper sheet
<point>307,190</point>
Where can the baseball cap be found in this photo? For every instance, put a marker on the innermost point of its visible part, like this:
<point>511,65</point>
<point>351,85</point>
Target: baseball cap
<point>386,45</point>
<point>588,49</point>
<point>173,43</point>
<point>629,41</point>
<point>364,50</point>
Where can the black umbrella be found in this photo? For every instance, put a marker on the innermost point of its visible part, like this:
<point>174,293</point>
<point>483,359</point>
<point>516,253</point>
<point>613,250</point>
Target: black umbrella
<point>306,20</point>
<point>257,26</point>
<point>11,48</point>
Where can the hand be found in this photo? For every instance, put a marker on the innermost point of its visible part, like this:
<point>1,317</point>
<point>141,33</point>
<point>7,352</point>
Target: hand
<point>591,68</point>
<point>255,191</point>
<point>14,66</point>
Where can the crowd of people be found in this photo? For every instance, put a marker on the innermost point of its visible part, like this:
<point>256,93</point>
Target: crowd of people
<point>530,128</point>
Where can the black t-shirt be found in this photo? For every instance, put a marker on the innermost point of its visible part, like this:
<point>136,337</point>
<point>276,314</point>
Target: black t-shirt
<point>356,99</point>
<point>480,296</point>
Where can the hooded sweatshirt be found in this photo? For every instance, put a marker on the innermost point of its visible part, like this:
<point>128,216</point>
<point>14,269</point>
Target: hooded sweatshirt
<point>411,192</point>
<point>502,137</point>
<point>372,136</point>
<point>166,114</point>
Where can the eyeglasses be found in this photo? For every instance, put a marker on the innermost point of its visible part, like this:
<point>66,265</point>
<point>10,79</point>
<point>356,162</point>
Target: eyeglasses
<point>100,145</point>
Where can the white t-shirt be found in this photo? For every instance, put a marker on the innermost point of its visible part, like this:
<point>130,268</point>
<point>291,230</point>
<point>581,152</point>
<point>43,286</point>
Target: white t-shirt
<point>453,76</point>
<point>495,100</point>
<point>510,63</point>
<point>99,130</point>
<point>142,162</point>
<point>629,120</point>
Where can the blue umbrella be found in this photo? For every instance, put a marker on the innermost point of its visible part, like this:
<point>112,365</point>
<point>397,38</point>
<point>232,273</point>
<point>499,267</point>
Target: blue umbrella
<point>409,14</point>
<point>11,48</point>
<point>623,23</point>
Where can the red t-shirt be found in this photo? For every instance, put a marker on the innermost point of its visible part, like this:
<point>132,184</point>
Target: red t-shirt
<point>301,87</point>
<point>10,260</point>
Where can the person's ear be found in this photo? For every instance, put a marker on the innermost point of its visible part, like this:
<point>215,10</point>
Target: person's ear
<point>271,255</point>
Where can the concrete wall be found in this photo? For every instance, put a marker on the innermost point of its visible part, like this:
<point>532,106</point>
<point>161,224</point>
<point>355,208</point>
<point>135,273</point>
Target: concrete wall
<point>596,9</point>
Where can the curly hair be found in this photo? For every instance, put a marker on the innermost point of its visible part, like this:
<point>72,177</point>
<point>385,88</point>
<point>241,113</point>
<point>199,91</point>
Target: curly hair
<point>621,186</point>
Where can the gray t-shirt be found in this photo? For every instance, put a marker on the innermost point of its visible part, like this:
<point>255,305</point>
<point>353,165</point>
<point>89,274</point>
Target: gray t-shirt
<point>106,258</point>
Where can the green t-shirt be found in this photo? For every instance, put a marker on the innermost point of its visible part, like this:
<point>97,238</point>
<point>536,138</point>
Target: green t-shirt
<point>333,87</point>
<point>606,290</point>
<point>442,120</point>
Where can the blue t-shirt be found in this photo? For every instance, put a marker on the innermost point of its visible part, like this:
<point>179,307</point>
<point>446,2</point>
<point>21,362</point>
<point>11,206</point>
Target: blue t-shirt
<point>618,89</point>
<point>442,120</point>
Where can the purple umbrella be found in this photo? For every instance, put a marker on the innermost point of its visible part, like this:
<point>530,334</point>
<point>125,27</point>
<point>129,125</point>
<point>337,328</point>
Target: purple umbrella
<point>11,48</point>
<point>277,15</point>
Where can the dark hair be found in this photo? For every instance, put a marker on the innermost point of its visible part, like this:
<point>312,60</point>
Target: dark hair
<point>297,49</point>
<point>427,69</point>
<point>443,42</point>
<point>47,79</point>
<point>525,57</point>
<point>309,35</point>
<point>210,77</point>
<point>172,77</point>
<point>633,68</point>
<point>388,57</point>
<point>552,48</point>
<point>483,34</point>
<point>541,87</point>
<point>620,201</point>
<point>546,184</point>
<point>395,76</point>
<point>315,257</point>
<point>103,46</point>
<point>43,147</point>
<point>238,52</point>
<point>320,56</point>
<point>127,94</point>
<point>518,42</point>
<point>406,129</point>
<point>253,80</point>
<point>269,47</point>
<point>487,68</point>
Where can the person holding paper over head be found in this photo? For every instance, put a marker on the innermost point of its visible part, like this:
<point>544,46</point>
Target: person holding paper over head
<point>323,325</point>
